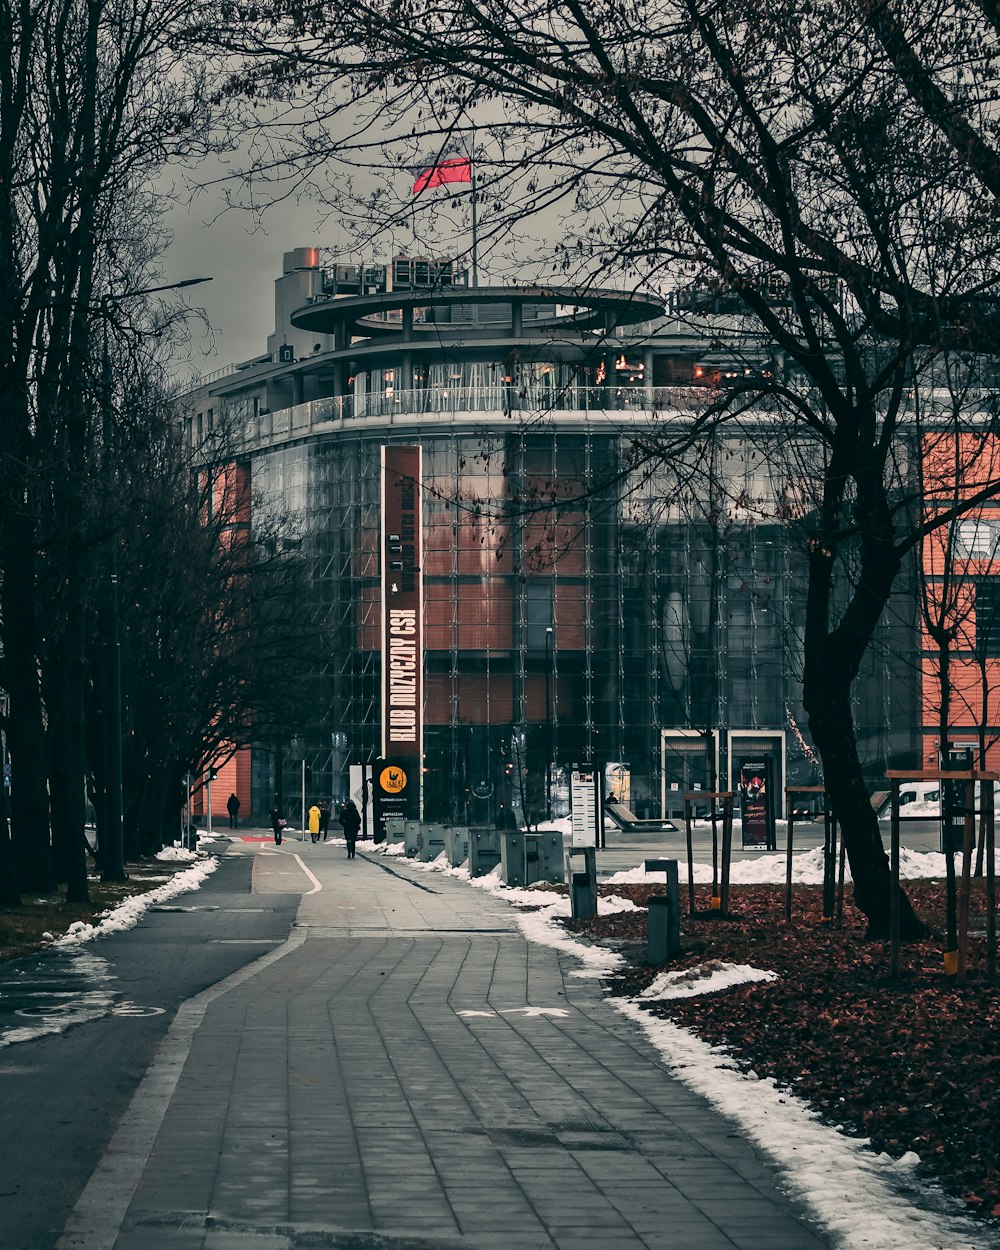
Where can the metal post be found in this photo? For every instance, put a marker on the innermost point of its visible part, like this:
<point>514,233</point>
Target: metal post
<point>716,899</point>
<point>829,870</point>
<point>548,723</point>
<point>986,791</point>
<point>968,843</point>
<point>840,874</point>
<point>894,882</point>
<point>208,804</point>
<point>114,852</point>
<point>727,851</point>
<point>788,857</point>
<point>302,835</point>
<point>690,854</point>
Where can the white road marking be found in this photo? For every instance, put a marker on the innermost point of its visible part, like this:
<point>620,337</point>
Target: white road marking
<point>536,1011</point>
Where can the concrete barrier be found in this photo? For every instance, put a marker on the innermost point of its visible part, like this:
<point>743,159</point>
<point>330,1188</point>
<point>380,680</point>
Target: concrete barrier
<point>456,844</point>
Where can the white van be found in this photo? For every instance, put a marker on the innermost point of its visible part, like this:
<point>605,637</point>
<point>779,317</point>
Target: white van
<point>923,798</point>
<point>916,798</point>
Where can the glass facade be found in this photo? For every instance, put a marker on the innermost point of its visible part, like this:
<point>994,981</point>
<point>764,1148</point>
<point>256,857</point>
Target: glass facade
<point>562,617</point>
<point>587,599</point>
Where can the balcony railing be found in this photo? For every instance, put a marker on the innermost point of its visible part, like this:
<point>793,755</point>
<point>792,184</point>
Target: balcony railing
<point>322,415</point>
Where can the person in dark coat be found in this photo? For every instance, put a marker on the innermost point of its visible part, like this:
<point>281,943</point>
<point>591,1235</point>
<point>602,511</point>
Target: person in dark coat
<point>324,818</point>
<point>506,821</point>
<point>233,808</point>
<point>350,820</point>
<point>277,824</point>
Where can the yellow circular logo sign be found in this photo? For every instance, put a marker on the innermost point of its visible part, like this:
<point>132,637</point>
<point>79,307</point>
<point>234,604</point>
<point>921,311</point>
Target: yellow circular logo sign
<point>392,780</point>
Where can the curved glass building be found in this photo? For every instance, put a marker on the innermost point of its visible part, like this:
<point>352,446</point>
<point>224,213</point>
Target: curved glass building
<point>584,599</point>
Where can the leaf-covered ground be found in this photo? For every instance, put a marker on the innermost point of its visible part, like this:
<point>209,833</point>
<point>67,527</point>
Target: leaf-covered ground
<point>912,1064</point>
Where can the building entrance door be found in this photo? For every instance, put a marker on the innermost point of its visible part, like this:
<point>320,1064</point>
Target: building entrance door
<point>689,761</point>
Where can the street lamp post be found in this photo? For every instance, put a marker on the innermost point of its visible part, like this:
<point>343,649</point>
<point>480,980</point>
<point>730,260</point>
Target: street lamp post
<point>549,740</point>
<point>114,807</point>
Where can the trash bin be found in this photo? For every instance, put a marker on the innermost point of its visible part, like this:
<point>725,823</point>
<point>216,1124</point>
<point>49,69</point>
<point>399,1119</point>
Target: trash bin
<point>663,923</point>
<point>583,883</point>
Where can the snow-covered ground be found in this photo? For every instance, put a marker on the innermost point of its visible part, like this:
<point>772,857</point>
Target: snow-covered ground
<point>863,1199</point>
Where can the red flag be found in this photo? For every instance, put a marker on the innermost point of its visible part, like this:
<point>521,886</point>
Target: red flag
<point>447,167</point>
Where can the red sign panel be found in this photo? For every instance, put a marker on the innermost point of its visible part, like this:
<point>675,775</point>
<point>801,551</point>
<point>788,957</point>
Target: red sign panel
<point>402,612</point>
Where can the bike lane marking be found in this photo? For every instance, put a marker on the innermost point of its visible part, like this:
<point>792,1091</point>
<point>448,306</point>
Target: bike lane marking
<point>97,1217</point>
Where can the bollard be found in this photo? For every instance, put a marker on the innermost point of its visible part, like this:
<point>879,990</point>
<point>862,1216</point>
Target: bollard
<point>414,838</point>
<point>513,865</point>
<point>484,851</point>
<point>456,842</point>
<point>658,926</point>
<point>432,842</point>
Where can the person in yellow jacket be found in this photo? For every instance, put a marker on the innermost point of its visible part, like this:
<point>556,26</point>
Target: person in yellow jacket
<point>314,818</point>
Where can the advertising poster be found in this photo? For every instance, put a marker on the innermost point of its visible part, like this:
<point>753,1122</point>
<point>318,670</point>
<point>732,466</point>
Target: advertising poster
<point>618,784</point>
<point>360,776</point>
<point>756,803</point>
<point>395,794</point>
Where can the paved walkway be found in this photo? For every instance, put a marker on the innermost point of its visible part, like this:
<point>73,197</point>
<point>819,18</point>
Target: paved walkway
<point>408,1073</point>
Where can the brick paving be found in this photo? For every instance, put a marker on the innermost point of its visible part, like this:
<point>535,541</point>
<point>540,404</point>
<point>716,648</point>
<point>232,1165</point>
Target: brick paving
<point>414,1075</point>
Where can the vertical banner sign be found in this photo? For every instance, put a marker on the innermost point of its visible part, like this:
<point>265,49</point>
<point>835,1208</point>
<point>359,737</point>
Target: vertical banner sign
<point>402,621</point>
<point>756,807</point>
<point>583,786</point>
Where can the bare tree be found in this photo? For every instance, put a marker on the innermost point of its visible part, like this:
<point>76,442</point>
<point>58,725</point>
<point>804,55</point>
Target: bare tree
<point>94,97</point>
<point>830,171</point>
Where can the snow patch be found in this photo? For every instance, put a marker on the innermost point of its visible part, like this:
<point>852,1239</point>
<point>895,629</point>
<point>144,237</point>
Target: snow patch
<point>807,869</point>
<point>129,912</point>
<point>866,1207</point>
<point>176,854</point>
<point>706,978</point>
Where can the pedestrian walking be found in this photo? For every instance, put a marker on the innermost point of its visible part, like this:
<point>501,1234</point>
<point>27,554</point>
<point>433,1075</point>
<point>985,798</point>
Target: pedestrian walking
<point>314,819</point>
<point>277,824</point>
<point>324,818</point>
<point>233,808</point>
<point>350,819</point>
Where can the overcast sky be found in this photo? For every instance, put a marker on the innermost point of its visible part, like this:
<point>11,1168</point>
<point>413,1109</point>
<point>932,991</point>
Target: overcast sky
<point>243,262</point>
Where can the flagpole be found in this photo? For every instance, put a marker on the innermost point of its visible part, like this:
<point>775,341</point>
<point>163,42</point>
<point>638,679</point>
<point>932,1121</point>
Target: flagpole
<point>475,237</point>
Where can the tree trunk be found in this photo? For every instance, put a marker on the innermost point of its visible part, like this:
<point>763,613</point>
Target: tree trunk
<point>831,723</point>
<point>9,894</point>
<point>54,697</point>
<point>29,802</point>
<point>74,671</point>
